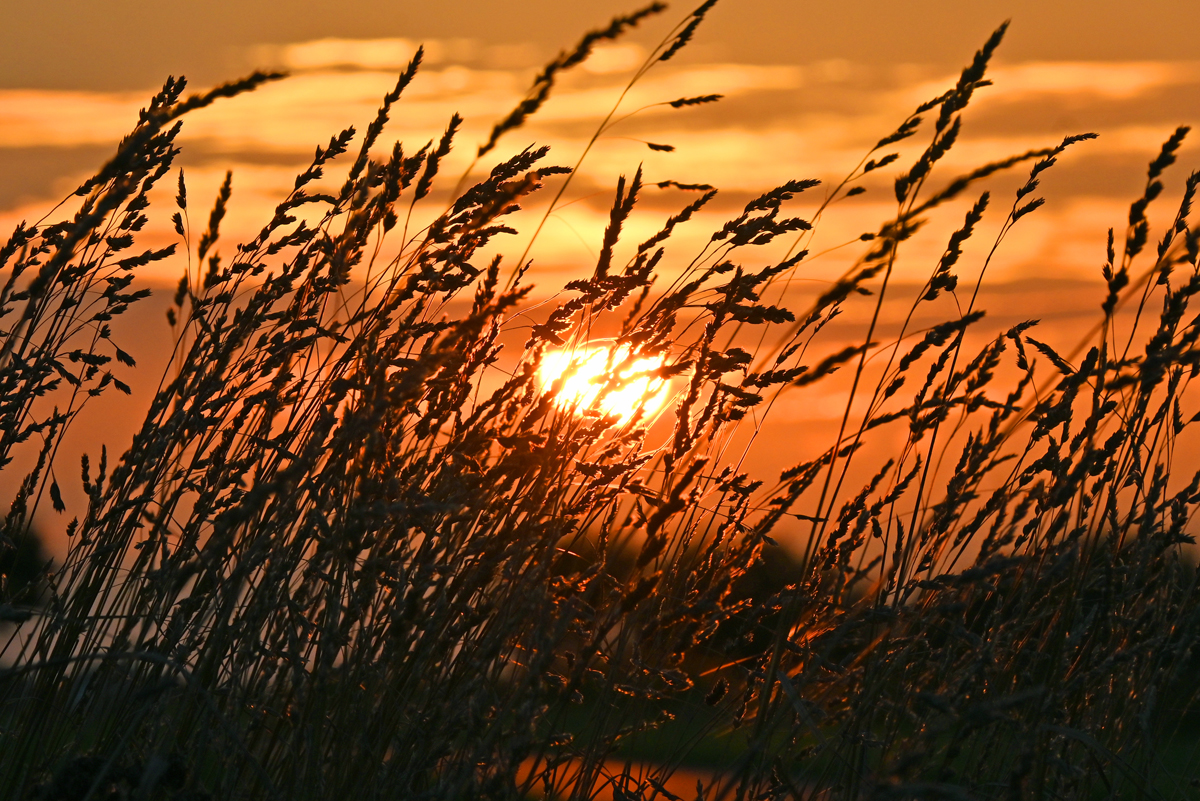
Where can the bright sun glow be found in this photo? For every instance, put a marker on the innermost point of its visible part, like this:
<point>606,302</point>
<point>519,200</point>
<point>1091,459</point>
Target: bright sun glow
<point>584,370</point>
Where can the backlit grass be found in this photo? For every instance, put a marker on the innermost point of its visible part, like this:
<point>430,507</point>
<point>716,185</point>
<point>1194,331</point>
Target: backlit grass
<point>361,549</point>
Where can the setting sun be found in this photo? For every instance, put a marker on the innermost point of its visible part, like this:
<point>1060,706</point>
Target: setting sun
<point>584,370</point>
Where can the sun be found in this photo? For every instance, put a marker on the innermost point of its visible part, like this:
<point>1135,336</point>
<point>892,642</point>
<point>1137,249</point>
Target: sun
<point>584,371</point>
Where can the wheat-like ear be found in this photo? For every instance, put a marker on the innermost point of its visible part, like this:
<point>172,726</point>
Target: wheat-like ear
<point>539,92</point>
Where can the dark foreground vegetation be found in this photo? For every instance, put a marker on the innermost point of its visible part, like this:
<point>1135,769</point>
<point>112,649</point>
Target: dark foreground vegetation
<point>357,551</point>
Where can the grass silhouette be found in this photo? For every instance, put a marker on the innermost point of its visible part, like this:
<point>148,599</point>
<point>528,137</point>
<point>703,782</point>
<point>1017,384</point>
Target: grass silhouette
<point>355,550</point>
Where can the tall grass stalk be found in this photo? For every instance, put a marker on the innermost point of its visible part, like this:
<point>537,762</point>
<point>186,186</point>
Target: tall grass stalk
<point>357,550</point>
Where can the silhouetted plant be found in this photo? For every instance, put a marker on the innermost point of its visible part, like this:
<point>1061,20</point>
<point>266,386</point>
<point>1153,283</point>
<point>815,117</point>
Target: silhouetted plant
<point>356,551</point>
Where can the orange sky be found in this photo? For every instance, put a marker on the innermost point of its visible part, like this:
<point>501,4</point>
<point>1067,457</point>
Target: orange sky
<point>809,87</point>
<point>132,44</point>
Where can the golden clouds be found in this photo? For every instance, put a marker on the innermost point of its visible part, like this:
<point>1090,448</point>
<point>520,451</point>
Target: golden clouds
<point>776,123</point>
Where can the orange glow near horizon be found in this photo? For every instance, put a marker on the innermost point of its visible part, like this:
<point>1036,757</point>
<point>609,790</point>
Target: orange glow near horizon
<point>584,371</point>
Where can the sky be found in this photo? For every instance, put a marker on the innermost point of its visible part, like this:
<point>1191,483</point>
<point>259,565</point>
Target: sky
<point>809,88</point>
<point>133,44</point>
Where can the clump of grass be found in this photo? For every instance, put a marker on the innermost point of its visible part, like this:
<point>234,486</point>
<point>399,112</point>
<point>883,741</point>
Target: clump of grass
<point>357,551</point>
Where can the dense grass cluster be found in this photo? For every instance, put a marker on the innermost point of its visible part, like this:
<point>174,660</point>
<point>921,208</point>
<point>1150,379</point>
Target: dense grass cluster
<point>357,551</point>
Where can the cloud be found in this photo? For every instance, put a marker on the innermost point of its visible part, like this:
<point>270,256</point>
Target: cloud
<point>777,123</point>
<point>370,54</point>
<point>308,107</point>
<point>1074,82</point>
<point>616,58</point>
<point>47,117</point>
<point>1099,79</point>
